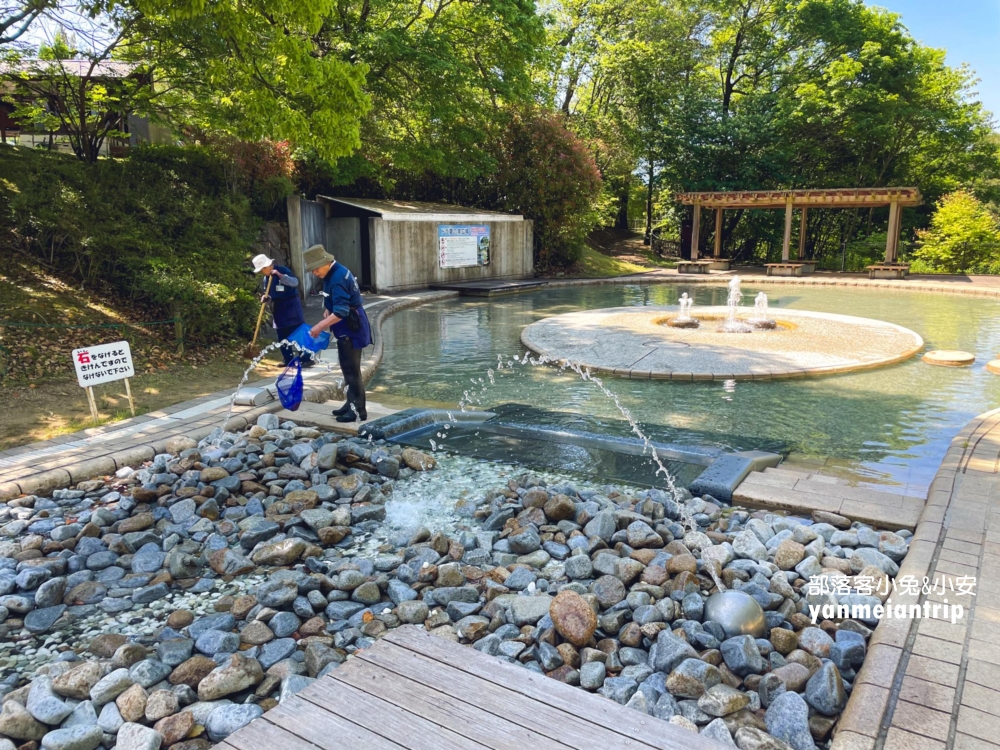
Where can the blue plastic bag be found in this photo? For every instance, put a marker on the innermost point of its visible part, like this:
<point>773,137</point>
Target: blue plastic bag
<point>302,337</point>
<point>289,385</point>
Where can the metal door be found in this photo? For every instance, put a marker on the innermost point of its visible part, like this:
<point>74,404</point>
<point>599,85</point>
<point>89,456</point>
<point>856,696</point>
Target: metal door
<point>343,239</point>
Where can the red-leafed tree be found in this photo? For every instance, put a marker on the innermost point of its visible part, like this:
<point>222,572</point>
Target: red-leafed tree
<point>549,175</point>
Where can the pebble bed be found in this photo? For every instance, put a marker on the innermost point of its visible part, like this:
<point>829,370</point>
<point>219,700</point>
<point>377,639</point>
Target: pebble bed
<point>171,605</point>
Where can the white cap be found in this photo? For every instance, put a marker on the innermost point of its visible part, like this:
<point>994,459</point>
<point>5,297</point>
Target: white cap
<point>261,262</point>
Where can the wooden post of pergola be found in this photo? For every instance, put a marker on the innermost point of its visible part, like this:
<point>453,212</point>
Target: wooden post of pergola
<point>695,231</point>
<point>786,240</point>
<point>802,234</point>
<point>718,234</point>
<point>894,198</point>
<point>892,236</point>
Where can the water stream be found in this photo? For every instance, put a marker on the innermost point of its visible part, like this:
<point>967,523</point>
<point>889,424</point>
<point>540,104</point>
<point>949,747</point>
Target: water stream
<point>475,397</point>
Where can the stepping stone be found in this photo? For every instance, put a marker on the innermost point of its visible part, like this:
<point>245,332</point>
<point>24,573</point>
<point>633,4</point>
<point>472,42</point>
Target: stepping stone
<point>949,358</point>
<point>993,366</point>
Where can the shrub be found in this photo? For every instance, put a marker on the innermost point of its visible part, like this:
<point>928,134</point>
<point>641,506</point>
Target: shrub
<point>964,236</point>
<point>545,173</point>
<point>261,170</point>
<point>160,228</point>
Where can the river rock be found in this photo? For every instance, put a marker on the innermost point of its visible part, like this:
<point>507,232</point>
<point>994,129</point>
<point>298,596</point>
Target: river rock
<point>229,562</point>
<point>787,719</point>
<point>608,590</point>
<point>527,610</point>
<point>175,728</point>
<point>44,704</point>
<point>692,677</point>
<point>104,646</point>
<point>132,703</point>
<point>825,690</point>
<point>573,617</point>
<point>73,738</point>
<point>816,642</point>
<point>669,651</point>
<point>284,552</point>
<point>722,700</point>
<point>225,720</point>
<point>752,738</point>
<point>77,682</point>
<point>17,723</point>
<point>161,704</point>
<point>110,720</point>
<point>110,687</point>
<point>747,546</point>
<point>742,655</point>
<point>789,554</point>
<point>418,460</point>
<point>192,671</point>
<point>239,673</point>
<point>137,737</point>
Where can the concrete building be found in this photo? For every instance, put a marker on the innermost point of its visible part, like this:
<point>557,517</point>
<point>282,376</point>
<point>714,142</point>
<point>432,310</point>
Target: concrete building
<point>394,246</point>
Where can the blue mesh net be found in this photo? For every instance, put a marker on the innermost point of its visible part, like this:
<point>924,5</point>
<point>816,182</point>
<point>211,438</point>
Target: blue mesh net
<point>289,385</point>
<point>301,337</point>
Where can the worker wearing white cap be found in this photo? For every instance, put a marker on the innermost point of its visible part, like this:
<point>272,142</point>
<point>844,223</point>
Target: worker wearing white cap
<point>286,308</point>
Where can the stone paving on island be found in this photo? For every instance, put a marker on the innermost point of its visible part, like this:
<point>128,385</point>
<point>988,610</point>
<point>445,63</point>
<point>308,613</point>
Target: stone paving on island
<point>638,343</point>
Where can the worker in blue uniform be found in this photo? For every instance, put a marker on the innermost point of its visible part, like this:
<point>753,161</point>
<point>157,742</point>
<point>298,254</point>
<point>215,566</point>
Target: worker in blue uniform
<point>348,323</point>
<point>280,287</point>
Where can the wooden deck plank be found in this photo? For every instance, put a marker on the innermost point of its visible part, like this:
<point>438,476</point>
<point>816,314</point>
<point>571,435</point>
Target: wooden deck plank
<point>417,728</point>
<point>261,734</point>
<point>475,723</point>
<point>327,730</point>
<point>595,709</point>
<point>548,726</point>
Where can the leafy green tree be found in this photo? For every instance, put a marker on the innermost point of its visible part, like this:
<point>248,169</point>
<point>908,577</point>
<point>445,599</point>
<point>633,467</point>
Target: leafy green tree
<point>254,70</point>
<point>17,17</point>
<point>963,237</point>
<point>440,74</point>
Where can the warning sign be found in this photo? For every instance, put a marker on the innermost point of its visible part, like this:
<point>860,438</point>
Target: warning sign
<point>103,363</point>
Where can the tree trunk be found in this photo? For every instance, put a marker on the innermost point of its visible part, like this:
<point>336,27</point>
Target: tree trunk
<point>649,206</point>
<point>621,220</point>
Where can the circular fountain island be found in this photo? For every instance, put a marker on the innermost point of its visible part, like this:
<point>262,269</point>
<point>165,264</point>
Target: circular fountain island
<point>719,343</point>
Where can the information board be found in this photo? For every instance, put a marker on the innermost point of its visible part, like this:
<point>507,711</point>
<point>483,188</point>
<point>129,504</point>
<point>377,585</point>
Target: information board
<point>103,363</point>
<point>462,245</point>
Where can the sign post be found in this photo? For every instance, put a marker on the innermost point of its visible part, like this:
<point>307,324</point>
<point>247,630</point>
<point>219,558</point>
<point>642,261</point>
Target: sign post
<point>104,363</point>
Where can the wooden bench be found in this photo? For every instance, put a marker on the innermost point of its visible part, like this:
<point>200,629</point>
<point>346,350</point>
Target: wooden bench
<point>888,271</point>
<point>792,268</point>
<point>694,266</point>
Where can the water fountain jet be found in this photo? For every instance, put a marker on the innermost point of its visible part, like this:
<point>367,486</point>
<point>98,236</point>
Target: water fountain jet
<point>733,324</point>
<point>760,319</point>
<point>684,319</point>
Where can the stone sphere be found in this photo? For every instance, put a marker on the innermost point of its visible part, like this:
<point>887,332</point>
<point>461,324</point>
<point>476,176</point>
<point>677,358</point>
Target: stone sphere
<point>736,612</point>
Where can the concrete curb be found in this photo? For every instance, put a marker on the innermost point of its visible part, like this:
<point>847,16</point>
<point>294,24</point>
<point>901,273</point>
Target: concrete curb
<point>52,479</point>
<point>722,279</point>
<point>876,690</point>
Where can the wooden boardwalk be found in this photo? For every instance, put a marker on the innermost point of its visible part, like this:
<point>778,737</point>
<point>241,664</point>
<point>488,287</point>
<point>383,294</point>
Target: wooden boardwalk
<point>413,691</point>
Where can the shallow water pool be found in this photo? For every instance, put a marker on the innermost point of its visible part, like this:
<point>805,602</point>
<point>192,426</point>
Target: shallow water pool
<point>887,427</point>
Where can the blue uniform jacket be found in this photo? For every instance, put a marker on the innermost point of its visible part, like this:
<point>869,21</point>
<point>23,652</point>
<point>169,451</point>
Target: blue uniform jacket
<point>343,294</point>
<point>285,299</point>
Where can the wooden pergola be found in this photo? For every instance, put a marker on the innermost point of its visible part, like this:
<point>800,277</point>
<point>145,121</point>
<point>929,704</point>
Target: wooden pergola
<point>895,198</point>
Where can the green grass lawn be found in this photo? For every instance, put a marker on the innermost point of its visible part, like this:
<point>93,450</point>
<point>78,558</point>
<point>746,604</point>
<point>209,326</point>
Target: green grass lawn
<point>595,265</point>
